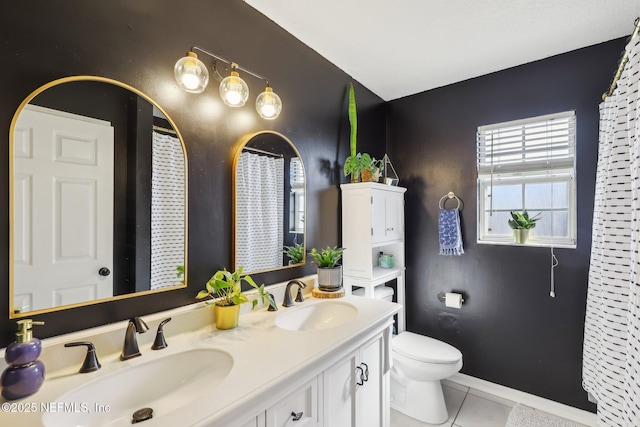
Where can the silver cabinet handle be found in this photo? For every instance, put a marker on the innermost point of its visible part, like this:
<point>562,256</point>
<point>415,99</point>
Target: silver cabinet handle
<point>296,416</point>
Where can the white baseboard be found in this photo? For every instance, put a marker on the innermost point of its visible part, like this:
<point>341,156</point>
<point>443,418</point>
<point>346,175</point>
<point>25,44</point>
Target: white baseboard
<point>533,401</point>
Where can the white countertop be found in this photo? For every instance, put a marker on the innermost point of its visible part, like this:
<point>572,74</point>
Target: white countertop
<point>266,359</point>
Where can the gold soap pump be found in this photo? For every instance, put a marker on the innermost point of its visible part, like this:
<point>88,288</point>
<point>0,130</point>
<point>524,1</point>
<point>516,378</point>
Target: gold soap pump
<point>25,373</point>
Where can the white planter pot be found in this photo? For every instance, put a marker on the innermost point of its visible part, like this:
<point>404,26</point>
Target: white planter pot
<point>330,279</point>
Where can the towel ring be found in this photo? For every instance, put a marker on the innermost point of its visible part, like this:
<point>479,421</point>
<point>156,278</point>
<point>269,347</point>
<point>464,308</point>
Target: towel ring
<point>446,197</point>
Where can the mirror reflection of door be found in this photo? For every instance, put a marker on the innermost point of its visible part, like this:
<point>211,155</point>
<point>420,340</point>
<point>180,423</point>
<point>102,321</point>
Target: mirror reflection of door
<point>63,164</point>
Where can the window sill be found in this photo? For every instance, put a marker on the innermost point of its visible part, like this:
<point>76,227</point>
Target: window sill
<point>530,244</point>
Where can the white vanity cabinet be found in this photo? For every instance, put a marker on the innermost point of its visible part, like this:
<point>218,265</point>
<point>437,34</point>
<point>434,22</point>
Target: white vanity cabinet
<point>355,388</point>
<point>373,223</point>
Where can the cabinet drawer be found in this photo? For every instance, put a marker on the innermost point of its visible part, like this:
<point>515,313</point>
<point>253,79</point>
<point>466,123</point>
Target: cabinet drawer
<point>301,404</point>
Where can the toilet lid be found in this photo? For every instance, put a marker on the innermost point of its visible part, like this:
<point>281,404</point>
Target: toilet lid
<point>425,349</point>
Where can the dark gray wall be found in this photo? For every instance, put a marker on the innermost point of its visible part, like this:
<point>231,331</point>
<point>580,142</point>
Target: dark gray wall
<point>509,329</point>
<point>138,43</point>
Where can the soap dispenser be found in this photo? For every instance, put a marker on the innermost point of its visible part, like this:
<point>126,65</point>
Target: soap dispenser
<point>25,374</point>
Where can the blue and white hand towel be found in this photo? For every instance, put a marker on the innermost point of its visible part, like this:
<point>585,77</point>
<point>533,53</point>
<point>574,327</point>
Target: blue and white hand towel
<point>449,232</point>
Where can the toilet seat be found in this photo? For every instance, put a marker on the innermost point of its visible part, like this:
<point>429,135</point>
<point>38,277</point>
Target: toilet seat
<point>425,349</point>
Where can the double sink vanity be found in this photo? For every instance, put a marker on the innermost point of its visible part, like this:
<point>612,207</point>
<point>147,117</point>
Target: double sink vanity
<point>314,364</point>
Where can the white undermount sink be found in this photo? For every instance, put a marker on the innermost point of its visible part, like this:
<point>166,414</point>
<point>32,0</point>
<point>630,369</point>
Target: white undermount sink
<point>163,384</point>
<point>322,315</point>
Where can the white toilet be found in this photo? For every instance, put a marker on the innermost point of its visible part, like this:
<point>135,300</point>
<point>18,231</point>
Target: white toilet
<point>419,363</point>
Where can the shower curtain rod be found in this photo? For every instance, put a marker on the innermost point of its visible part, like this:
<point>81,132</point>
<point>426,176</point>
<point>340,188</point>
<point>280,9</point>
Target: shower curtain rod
<point>623,62</point>
<point>161,129</point>
<point>256,150</point>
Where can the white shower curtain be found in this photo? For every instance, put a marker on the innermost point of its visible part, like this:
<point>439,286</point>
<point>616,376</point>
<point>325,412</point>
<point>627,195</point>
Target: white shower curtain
<point>611,354</point>
<point>167,210</point>
<point>259,212</point>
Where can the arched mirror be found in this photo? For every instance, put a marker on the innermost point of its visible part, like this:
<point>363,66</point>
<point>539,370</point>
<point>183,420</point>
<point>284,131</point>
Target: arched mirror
<point>98,194</point>
<point>269,204</point>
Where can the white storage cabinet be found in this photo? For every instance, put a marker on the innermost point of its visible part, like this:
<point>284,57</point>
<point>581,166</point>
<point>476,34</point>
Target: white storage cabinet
<point>373,222</point>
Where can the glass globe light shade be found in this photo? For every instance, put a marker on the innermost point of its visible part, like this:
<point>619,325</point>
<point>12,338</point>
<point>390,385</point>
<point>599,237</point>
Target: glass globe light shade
<point>233,90</point>
<point>268,104</point>
<point>191,73</point>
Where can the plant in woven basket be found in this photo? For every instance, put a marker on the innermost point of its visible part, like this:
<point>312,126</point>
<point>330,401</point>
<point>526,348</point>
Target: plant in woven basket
<point>372,169</point>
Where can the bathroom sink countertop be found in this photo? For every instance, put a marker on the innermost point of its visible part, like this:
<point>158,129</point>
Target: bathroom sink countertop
<point>267,359</point>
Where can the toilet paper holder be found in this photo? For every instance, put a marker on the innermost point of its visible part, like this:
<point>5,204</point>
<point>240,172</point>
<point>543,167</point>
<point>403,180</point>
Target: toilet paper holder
<point>443,296</point>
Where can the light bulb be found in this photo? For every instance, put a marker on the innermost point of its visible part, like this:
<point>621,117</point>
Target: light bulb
<point>268,104</point>
<point>191,73</point>
<point>233,90</point>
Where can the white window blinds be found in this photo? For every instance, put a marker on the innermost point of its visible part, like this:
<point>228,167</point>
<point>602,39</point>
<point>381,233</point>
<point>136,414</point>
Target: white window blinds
<point>296,170</point>
<point>534,144</point>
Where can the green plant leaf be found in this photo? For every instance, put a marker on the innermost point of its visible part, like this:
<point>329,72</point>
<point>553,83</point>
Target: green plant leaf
<point>202,294</point>
<point>353,120</point>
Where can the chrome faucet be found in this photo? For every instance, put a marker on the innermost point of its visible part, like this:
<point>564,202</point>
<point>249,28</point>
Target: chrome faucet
<point>130,348</point>
<point>288,302</point>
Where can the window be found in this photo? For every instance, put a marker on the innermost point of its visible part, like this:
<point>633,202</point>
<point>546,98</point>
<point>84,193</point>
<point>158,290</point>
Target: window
<point>296,196</point>
<point>528,165</point>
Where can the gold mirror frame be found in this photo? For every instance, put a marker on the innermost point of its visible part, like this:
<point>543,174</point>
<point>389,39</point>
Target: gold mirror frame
<point>241,145</point>
<point>25,102</point>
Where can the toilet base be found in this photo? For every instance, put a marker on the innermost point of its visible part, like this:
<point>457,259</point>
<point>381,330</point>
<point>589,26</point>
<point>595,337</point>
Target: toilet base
<point>422,400</point>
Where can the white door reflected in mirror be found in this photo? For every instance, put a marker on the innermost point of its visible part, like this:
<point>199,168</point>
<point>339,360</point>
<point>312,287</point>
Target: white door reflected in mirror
<point>63,165</point>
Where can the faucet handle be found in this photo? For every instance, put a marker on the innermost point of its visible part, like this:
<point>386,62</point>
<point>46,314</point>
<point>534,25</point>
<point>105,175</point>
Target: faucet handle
<point>160,342</point>
<point>299,297</point>
<point>272,307</point>
<point>90,363</point>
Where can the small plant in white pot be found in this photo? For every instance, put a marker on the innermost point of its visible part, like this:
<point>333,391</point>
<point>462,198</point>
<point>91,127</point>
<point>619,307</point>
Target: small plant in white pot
<point>329,271</point>
<point>521,223</point>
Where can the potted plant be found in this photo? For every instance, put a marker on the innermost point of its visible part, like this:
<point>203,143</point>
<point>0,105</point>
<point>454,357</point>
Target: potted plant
<point>371,169</point>
<point>329,271</point>
<point>224,288</point>
<point>295,253</point>
<point>521,223</point>
<point>180,274</point>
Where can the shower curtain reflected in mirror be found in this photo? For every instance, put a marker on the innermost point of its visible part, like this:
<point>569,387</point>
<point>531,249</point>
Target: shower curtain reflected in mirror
<point>259,212</point>
<point>167,210</point>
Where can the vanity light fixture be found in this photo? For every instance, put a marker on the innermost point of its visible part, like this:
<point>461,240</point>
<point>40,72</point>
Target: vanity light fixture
<point>193,76</point>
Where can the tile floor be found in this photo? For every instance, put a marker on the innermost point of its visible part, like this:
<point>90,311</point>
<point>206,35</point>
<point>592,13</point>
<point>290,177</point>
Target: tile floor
<point>466,407</point>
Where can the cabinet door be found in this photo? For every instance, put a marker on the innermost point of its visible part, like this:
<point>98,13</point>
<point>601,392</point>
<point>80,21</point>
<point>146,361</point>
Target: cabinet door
<point>378,214</point>
<point>387,216</point>
<point>298,409</point>
<point>370,396</point>
<point>394,216</point>
<point>339,383</point>
<point>356,232</point>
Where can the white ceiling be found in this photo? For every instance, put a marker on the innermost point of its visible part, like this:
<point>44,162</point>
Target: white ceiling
<point>401,47</point>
